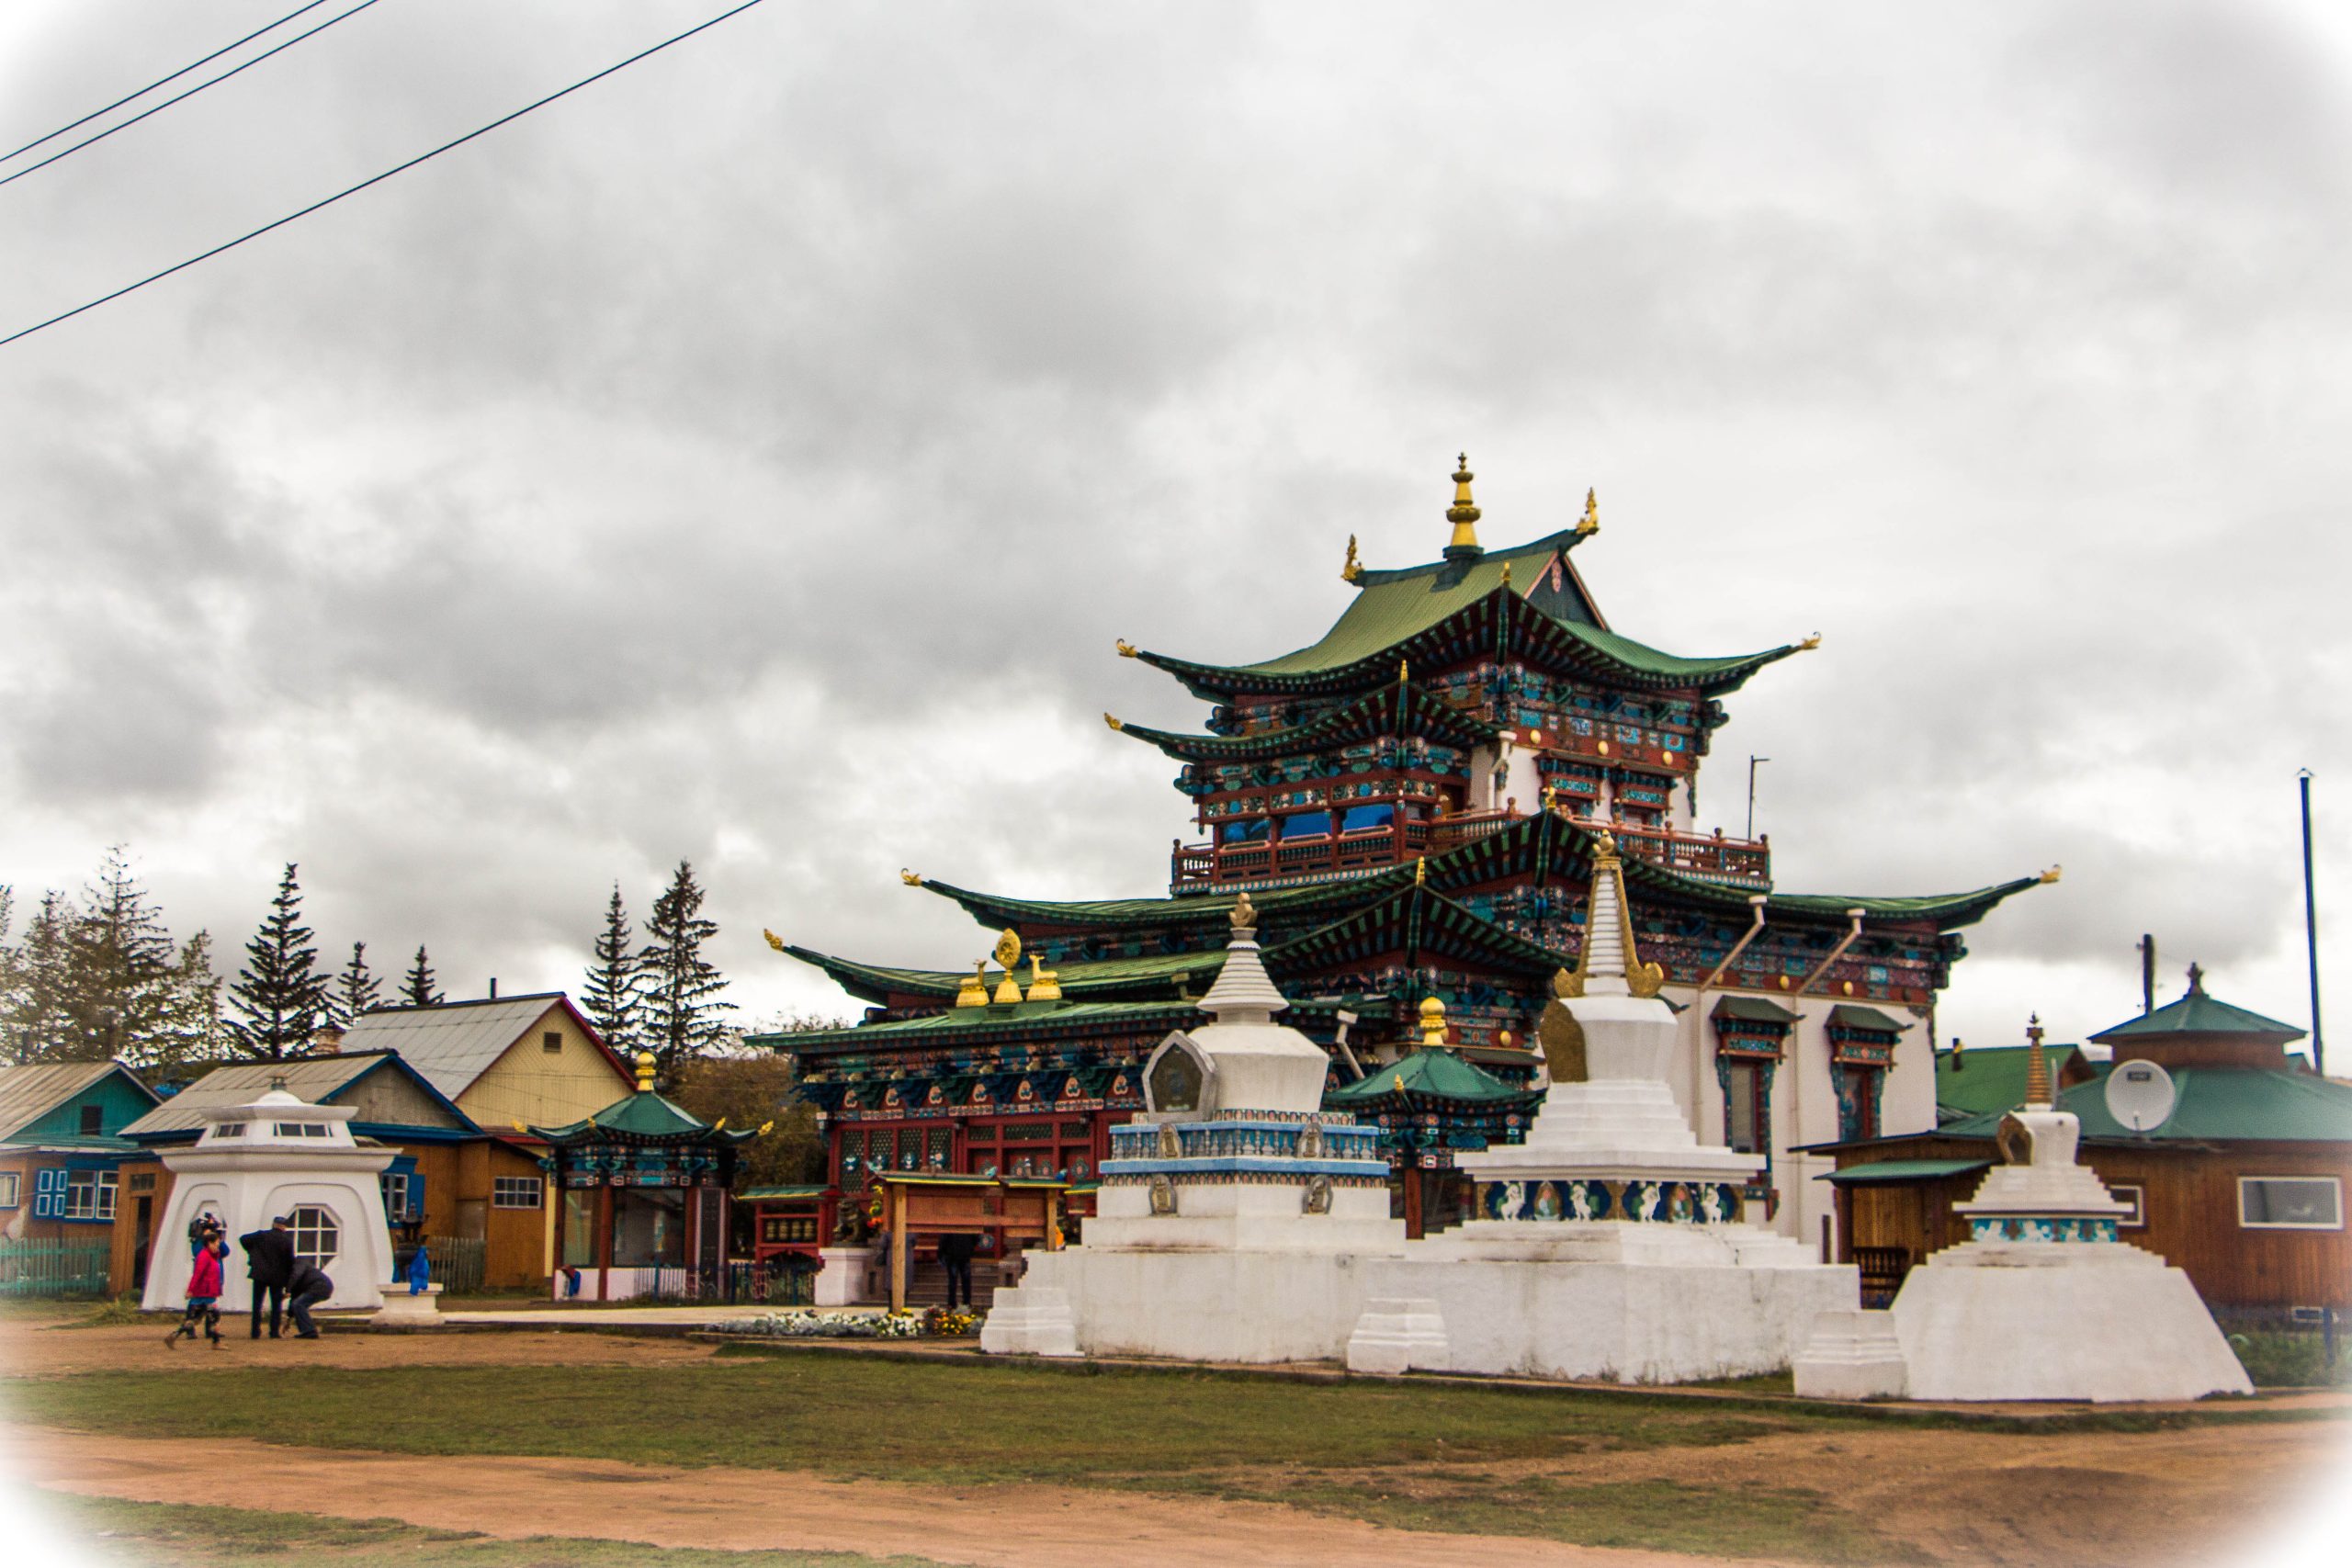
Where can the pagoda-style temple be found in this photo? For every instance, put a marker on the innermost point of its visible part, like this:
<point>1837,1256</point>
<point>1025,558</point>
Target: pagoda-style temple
<point>1412,802</point>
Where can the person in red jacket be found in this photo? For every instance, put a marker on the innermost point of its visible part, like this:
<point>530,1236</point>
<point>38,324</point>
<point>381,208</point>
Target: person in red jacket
<point>203,1284</point>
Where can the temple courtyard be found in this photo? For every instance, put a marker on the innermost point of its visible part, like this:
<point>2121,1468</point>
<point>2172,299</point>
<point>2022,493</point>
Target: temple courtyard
<point>496,1448</point>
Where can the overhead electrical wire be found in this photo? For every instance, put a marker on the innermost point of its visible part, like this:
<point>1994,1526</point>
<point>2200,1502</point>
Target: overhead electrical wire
<point>377,179</point>
<point>160,81</point>
<point>167,103</point>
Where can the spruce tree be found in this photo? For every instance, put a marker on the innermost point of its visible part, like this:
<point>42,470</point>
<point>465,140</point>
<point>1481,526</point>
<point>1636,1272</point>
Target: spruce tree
<point>38,1017</point>
<point>355,989</point>
<point>416,987</point>
<point>192,1032</point>
<point>279,993</point>
<point>123,966</point>
<point>680,1015</point>
<point>614,991</point>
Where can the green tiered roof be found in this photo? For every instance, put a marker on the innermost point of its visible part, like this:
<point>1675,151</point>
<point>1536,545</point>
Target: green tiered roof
<point>1396,708</point>
<point>1427,1075</point>
<point>1026,1020</point>
<point>2214,1104</point>
<point>644,1117</point>
<point>1989,1078</point>
<point>1105,979</point>
<point>2198,1013</point>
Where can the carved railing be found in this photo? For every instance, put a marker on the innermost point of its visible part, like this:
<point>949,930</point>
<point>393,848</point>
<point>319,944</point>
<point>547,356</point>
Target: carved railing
<point>1737,862</point>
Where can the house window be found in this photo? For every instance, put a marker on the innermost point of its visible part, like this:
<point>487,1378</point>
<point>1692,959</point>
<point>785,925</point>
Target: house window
<point>89,1195</point>
<point>9,1182</point>
<point>230,1129</point>
<point>317,1237</point>
<point>514,1192</point>
<point>553,1044</point>
<point>92,1118</point>
<point>2138,1217</point>
<point>2291,1202</point>
<point>395,1186</point>
<point>302,1130</point>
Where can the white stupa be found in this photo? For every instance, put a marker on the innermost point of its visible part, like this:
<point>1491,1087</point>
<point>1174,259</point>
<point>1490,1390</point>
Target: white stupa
<point>1611,1243</point>
<point>1974,1322</point>
<point>1235,1216</point>
<point>277,1155</point>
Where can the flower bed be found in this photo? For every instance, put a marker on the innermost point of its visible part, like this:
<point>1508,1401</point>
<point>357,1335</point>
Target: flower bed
<point>826,1325</point>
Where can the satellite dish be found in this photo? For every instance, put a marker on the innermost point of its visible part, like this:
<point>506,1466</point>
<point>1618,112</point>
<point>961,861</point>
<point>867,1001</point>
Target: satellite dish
<point>2140,1095</point>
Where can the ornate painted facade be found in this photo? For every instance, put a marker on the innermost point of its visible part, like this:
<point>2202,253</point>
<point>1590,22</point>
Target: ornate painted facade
<point>1412,802</point>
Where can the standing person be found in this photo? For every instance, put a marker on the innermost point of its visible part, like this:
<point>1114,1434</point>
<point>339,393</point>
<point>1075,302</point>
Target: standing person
<point>955,1252</point>
<point>306,1287</point>
<point>269,1259</point>
<point>203,1285</point>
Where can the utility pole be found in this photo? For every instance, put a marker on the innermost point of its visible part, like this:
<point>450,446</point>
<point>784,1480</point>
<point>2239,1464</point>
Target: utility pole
<point>2148,972</point>
<point>2311,927</point>
<point>1752,760</point>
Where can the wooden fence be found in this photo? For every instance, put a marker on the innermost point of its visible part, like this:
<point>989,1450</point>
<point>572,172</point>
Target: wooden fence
<point>52,1266</point>
<point>459,1262</point>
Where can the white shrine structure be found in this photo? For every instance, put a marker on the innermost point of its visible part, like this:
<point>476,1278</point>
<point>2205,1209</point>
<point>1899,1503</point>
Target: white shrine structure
<point>277,1155</point>
<point>1611,1243</point>
<point>1238,1221</point>
<point>1974,1322</point>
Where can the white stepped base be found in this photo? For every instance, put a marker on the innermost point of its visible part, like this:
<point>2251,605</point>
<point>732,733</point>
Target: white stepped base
<point>2101,1321</point>
<point>1250,1306</point>
<point>1609,1129</point>
<point>1544,1313</point>
<point>1616,1241</point>
<point>1852,1354</point>
<point>1397,1334</point>
<point>1030,1320</point>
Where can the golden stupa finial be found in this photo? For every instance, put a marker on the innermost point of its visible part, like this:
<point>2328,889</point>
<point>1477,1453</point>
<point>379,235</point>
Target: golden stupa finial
<point>909,877</point>
<point>1591,522</point>
<point>1350,568</point>
<point>1433,1025</point>
<point>1404,671</point>
<point>2037,1066</point>
<point>1462,514</point>
<point>1809,644</point>
<point>1551,796</point>
<point>1604,848</point>
<point>1420,870</point>
<point>1112,722</point>
<point>1126,650</point>
<point>774,940</point>
<point>1245,914</point>
<point>645,1072</point>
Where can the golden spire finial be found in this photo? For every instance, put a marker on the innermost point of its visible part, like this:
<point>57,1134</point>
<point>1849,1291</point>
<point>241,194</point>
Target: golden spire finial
<point>774,940</point>
<point>1505,574</point>
<point>1352,568</point>
<point>1245,914</point>
<point>1591,522</point>
<point>2037,1066</point>
<point>1420,870</point>
<point>1126,650</point>
<point>1462,514</point>
<point>645,1072</point>
<point>1433,1025</point>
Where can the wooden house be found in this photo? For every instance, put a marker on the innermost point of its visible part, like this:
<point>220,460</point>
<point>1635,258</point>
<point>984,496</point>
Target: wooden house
<point>61,1154</point>
<point>2242,1187</point>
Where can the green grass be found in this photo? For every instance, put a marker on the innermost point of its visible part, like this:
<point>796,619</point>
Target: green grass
<point>1787,1522</point>
<point>2291,1360</point>
<point>855,1416</point>
<point>112,1313</point>
<point>178,1535</point>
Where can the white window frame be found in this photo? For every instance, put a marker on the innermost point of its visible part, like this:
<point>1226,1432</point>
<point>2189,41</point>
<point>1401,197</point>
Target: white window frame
<point>505,1190</point>
<point>324,1224</point>
<point>99,1204</point>
<point>12,1194</point>
<point>2333,1183</point>
<point>395,1185</point>
<point>2138,1218</point>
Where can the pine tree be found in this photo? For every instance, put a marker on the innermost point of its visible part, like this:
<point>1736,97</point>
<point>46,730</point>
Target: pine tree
<point>37,1017</point>
<point>417,985</point>
<point>279,992</point>
<point>354,990</point>
<point>122,967</point>
<point>614,991</point>
<point>192,1031</point>
<point>681,1016</point>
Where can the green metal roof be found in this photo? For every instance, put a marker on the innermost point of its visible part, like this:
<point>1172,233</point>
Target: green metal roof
<point>1394,708</point>
<point>2216,1105</point>
<point>815,1190</point>
<point>1989,1078</point>
<point>1846,1015</point>
<point>2197,1013</point>
<point>1101,979</point>
<point>1902,1171</point>
<point>966,1023</point>
<point>1427,1075</point>
<point>1755,1008</point>
<point>644,1117</point>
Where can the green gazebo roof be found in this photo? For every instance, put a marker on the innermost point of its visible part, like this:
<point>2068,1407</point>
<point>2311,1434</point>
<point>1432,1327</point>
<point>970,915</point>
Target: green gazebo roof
<point>644,1117</point>
<point>2216,1105</point>
<point>1428,1076</point>
<point>2197,1013</point>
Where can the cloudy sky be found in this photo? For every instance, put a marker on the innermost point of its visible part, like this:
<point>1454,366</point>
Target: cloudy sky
<point>752,457</point>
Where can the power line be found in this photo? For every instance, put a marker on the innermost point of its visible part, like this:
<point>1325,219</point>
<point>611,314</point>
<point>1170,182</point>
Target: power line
<point>379,179</point>
<point>192,91</point>
<point>151,86</point>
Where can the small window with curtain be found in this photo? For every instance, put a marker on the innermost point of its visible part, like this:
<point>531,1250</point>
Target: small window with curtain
<point>2291,1202</point>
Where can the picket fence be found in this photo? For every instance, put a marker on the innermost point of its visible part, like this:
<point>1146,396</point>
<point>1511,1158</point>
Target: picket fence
<point>53,1266</point>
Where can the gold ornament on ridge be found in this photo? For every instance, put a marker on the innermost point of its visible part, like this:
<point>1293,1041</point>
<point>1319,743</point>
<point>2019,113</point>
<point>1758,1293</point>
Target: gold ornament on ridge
<point>1591,522</point>
<point>1352,568</point>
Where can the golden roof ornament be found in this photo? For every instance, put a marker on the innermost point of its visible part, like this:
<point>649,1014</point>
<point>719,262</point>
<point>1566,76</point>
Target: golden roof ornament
<point>1591,522</point>
<point>1809,644</point>
<point>1462,514</point>
<point>2037,1066</point>
<point>1350,568</point>
<point>1112,722</point>
<point>1007,952</point>
<point>973,991</point>
<point>909,877</point>
<point>1433,1025</point>
<point>2052,874</point>
<point>1126,650</point>
<point>1045,985</point>
<point>1404,671</point>
<point>1505,574</point>
<point>774,940</point>
<point>1420,871</point>
<point>1245,914</point>
<point>645,1072</point>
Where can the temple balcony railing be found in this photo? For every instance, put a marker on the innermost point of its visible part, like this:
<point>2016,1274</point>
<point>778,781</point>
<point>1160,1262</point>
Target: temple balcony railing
<point>1711,857</point>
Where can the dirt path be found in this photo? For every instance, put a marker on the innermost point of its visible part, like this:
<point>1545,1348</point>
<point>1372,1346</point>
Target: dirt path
<point>1000,1527</point>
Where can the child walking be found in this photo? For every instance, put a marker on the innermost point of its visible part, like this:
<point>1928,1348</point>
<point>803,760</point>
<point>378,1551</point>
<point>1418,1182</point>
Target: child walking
<point>203,1285</point>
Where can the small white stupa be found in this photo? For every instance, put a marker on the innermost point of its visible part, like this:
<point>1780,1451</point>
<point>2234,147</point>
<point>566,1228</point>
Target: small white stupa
<point>1975,1321</point>
<point>1611,1243</point>
<point>277,1155</point>
<point>1235,1216</point>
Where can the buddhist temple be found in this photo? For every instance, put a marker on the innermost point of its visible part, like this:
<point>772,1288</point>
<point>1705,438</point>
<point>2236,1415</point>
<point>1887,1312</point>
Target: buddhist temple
<point>1414,802</point>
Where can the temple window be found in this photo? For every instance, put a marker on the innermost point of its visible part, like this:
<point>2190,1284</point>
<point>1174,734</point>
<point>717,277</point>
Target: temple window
<point>1365,818</point>
<point>1744,1110</point>
<point>1246,832</point>
<point>1307,825</point>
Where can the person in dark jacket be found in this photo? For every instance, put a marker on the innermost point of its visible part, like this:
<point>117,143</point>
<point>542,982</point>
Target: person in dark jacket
<point>269,1259</point>
<point>955,1253</point>
<point>306,1287</point>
